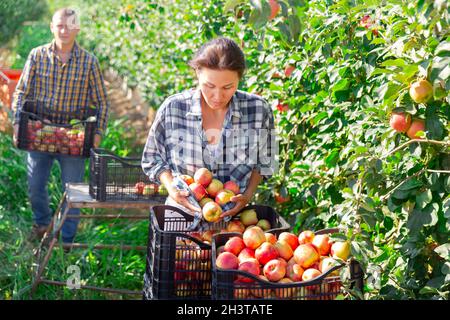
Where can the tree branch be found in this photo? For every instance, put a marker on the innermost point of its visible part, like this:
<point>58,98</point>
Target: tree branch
<point>443,143</point>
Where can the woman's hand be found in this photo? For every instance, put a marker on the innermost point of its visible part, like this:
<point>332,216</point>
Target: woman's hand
<point>240,200</point>
<point>180,197</point>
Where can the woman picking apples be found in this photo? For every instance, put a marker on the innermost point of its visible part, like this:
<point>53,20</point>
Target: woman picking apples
<point>215,126</point>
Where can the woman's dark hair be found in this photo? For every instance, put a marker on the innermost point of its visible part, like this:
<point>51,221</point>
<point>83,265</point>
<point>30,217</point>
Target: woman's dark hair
<point>220,54</point>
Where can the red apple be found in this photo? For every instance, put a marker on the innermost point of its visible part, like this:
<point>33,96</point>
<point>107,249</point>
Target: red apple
<point>305,237</point>
<point>254,237</point>
<point>328,263</point>
<point>340,250</point>
<point>274,9</point>
<point>211,212</point>
<point>245,254</point>
<point>266,252</point>
<point>214,188</point>
<point>366,22</point>
<point>284,249</point>
<point>270,237</point>
<point>282,107</point>
<point>294,272</point>
<point>290,238</point>
<point>416,126</point>
<point>251,266</point>
<point>322,244</point>
<point>249,217</point>
<point>139,187</point>
<point>208,234</point>
<point>187,178</point>
<point>274,270</point>
<point>223,197</point>
<point>198,190</point>
<point>232,186</point>
<point>310,274</point>
<point>234,245</point>
<point>203,176</point>
<point>235,226</point>
<point>288,70</point>
<point>227,260</point>
<point>306,255</point>
<point>400,121</point>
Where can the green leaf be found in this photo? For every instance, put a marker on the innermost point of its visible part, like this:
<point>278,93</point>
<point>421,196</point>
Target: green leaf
<point>341,85</point>
<point>423,199</point>
<point>294,26</point>
<point>443,49</point>
<point>332,159</point>
<point>394,63</point>
<point>410,184</point>
<point>260,14</point>
<point>433,123</point>
<point>420,218</point>
<point>231,4</point>
<point>440,69</point>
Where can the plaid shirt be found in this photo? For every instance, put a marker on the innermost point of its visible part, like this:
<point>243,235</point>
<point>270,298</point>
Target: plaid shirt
<point>70,88</point>
<point>177,141</point>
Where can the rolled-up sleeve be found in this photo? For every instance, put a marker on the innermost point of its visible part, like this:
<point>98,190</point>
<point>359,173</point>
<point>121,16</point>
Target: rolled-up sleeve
<point>267,145</point>
<point>98,96</point>
<point>154,158</point>
<point>25,86</point>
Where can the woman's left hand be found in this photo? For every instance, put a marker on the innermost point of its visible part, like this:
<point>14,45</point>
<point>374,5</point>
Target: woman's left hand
<point>241,201</point>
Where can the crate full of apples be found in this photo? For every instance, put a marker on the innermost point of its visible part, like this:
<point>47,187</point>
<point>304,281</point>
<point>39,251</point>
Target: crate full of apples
<point>114,178</point>
<point>258,265</point>
<point>179,260</point>
<point>43,135</point>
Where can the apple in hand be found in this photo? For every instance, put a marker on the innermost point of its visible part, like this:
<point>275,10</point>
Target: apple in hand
<point>203,176</point>
<point>214,188</point>
<point>211,212</point>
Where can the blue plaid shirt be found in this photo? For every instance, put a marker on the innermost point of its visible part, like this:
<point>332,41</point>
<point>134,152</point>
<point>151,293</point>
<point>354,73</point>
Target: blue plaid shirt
<point>177,141</point>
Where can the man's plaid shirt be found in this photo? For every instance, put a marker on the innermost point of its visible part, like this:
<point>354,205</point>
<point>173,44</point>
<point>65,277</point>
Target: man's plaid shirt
<point>177,141</point>
<point>72,87</point>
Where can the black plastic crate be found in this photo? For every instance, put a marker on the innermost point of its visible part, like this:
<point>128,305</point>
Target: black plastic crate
<point>178,260</point>
<point>120,179</point>
<point>226,285</point>
<point>57,132</point>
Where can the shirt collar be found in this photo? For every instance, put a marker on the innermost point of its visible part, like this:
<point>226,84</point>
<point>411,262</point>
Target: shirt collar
<point>75,50</point>
<point>196,107</point>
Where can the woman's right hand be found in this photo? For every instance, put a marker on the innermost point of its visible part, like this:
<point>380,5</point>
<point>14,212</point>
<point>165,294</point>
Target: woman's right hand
<point>180,197</point>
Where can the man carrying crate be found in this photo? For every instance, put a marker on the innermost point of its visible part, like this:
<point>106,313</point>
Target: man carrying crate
<point>63,78</point>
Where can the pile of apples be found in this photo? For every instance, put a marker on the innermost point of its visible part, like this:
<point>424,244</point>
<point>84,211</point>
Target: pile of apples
<point>149,189</point>
<point>54,139</point>
<point>286,259</point>
<point>212,195</point>
<point>193,264</point>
